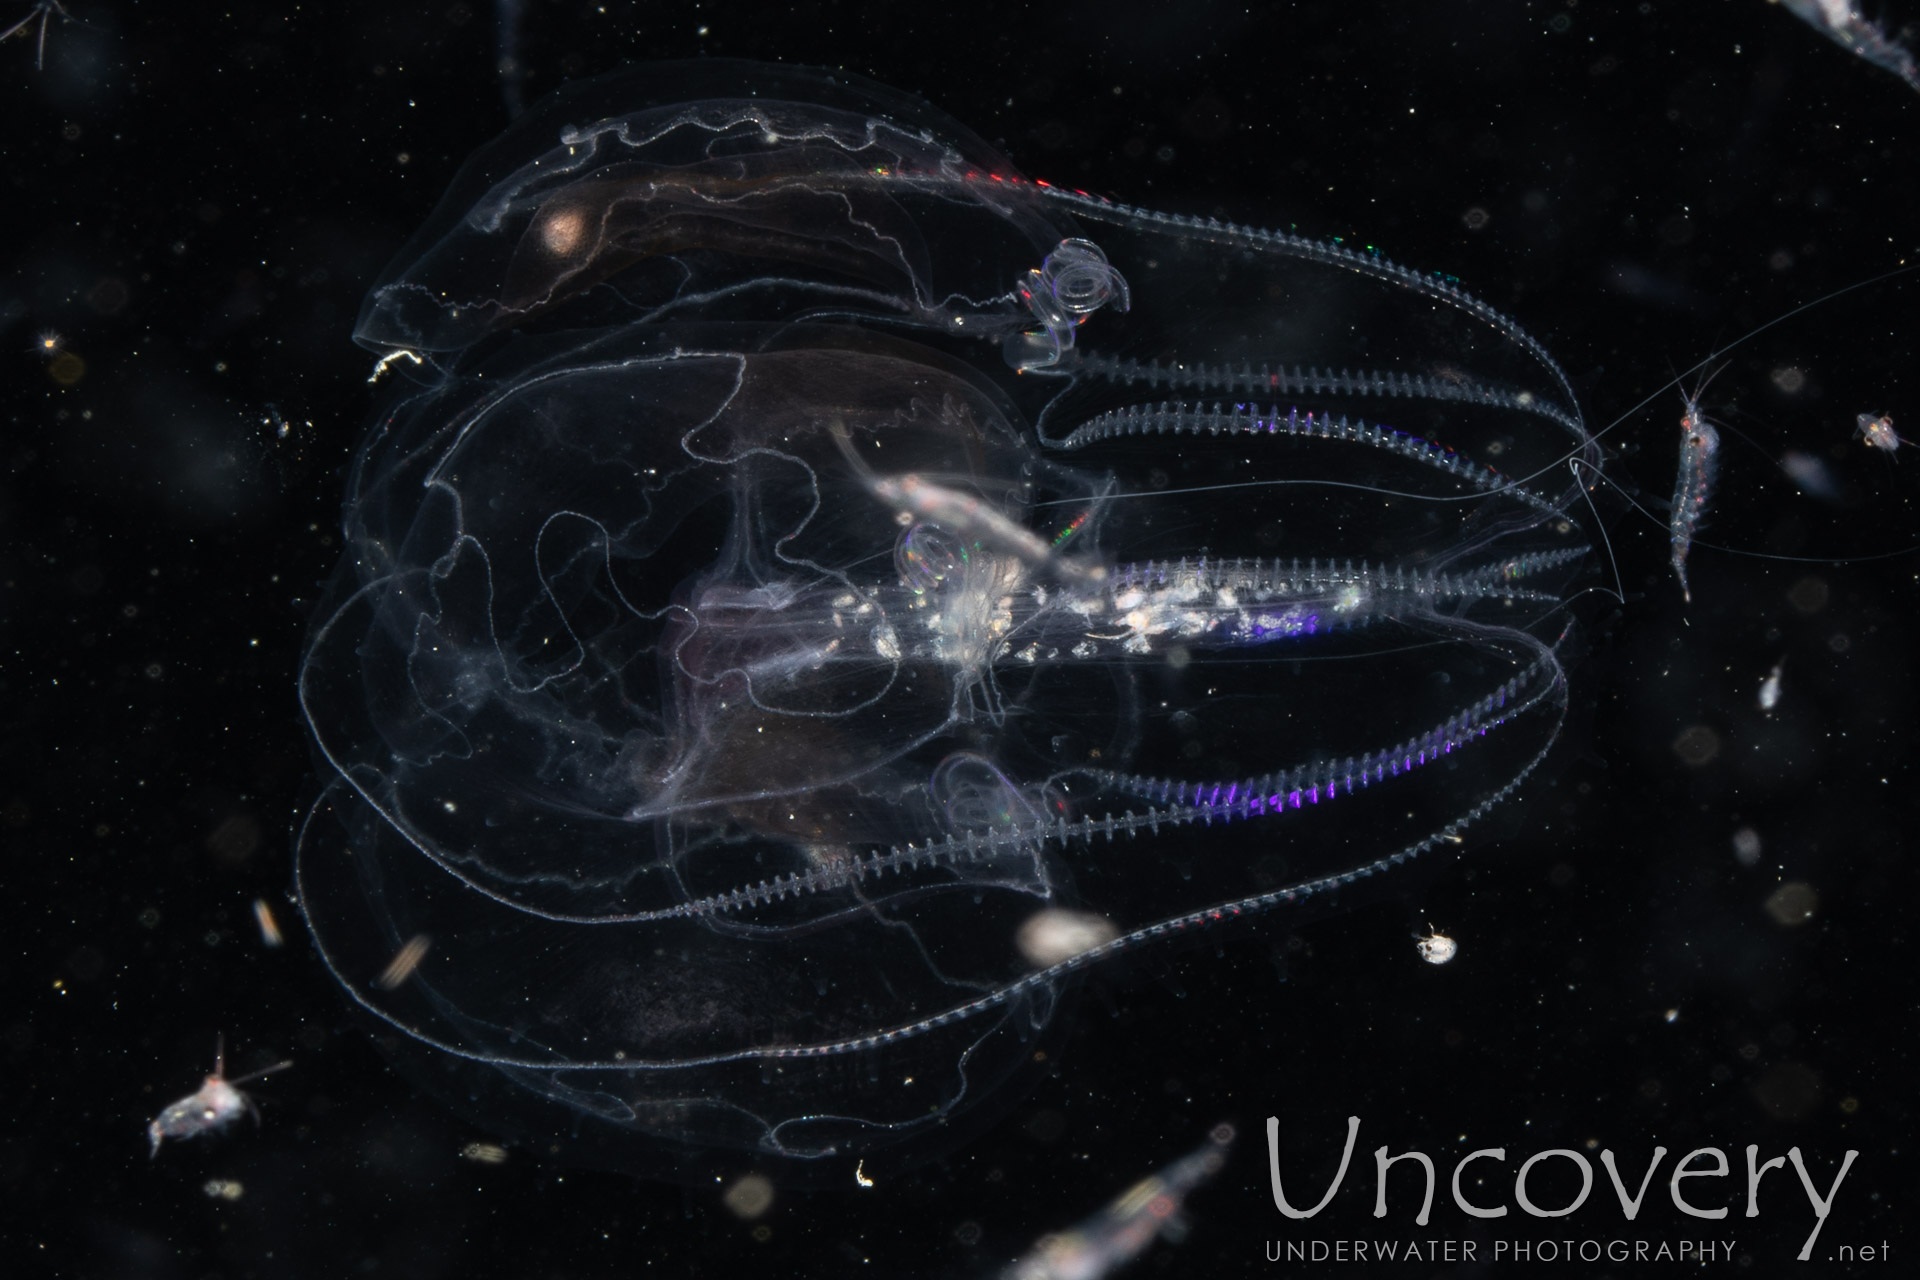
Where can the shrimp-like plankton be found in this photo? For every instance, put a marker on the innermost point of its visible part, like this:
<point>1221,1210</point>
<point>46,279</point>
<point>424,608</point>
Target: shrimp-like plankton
<point>216,1105</point>
<point>1693,489</point>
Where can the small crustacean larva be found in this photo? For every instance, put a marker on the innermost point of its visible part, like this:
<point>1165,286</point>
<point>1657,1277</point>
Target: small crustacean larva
<point>217,1104</point>
<point>1436,947</point>
<point>1877,430</point>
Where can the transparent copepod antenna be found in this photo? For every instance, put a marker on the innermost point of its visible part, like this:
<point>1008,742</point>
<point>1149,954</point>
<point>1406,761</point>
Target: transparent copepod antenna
<point>838,589</point>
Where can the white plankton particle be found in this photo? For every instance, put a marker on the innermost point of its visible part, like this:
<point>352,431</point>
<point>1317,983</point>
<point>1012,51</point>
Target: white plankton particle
<point>270,934</point>
<point>1053,935</point>
<point>404,962</point>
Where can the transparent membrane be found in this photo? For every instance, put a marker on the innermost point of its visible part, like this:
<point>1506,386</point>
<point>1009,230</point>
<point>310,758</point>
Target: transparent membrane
<point>811,552</point>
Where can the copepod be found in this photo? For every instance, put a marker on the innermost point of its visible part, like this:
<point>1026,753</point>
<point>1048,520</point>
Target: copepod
<point>1693,488</point>
<point>217,1104</point>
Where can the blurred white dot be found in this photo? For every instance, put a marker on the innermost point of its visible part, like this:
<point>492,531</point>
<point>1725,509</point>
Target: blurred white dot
<point>1052,936</point>
<point>1793,903</point>
<point>750,1197</point>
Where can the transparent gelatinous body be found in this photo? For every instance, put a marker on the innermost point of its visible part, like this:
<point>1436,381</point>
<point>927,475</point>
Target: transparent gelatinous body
<point>814,551</point>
